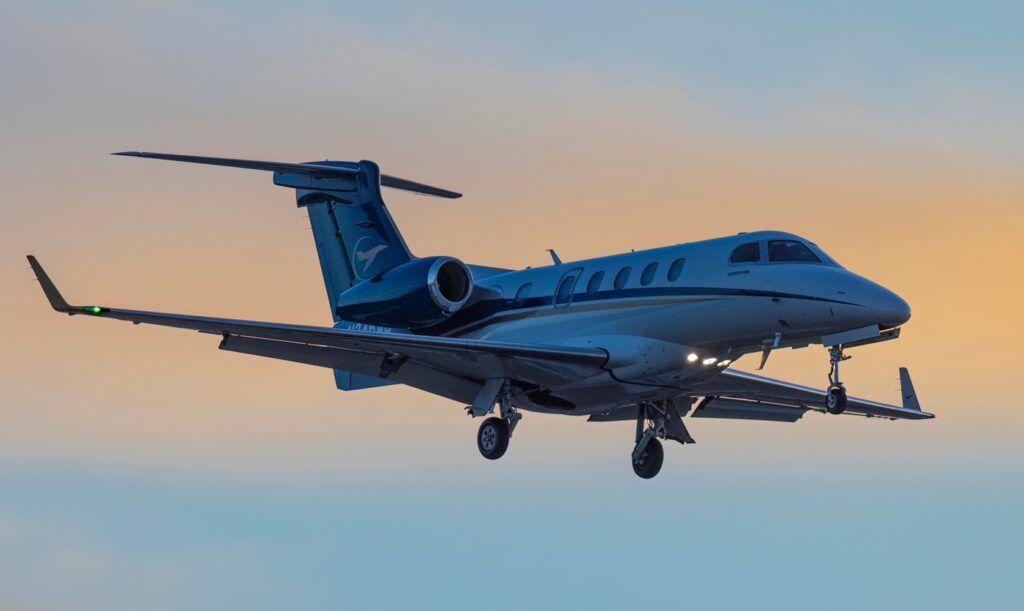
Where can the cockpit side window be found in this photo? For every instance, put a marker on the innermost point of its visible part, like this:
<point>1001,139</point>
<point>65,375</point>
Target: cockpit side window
<point>792,251</point>
<point>747,253</point>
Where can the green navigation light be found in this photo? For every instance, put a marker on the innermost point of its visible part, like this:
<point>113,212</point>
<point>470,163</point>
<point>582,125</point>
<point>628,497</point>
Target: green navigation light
<point>94,309</point>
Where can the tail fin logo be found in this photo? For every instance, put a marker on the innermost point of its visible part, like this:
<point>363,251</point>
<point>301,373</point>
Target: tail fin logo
<point>368,256</point>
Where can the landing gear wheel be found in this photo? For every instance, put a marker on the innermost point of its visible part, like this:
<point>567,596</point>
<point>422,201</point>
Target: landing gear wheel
<point>835,400</point>
<point>649,463</point>
<point>492,438</point>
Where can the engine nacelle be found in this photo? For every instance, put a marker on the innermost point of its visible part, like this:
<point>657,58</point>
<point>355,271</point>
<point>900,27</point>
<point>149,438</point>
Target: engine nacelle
<point>420,293</point>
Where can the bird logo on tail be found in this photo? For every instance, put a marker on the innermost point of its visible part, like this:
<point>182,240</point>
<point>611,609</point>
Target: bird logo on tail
<point>366,257</point>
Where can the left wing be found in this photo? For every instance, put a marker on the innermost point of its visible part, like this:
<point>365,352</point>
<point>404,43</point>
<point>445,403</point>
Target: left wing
<point>742,395</point>
<point>452,367</point>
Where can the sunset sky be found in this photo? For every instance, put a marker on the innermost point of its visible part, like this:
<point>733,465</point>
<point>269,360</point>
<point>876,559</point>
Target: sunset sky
<point>140,467</point>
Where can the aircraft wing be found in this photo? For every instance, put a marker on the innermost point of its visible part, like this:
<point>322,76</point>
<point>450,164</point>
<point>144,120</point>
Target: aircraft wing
<point>742,395</point>
<point>453,367</point>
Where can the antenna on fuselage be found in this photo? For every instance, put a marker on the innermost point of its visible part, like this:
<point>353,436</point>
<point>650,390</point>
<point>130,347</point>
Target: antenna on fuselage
<point>554,256</point>
<point>768,345</point>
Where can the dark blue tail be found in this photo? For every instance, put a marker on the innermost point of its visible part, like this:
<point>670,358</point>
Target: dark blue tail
<point>356,239</point>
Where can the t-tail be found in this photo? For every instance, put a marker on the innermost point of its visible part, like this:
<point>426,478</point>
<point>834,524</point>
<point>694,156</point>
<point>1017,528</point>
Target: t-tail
<point>355,236</point>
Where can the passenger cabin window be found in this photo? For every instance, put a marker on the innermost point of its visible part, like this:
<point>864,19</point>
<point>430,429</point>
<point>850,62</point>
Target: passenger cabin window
<point>748,253</point>
<point>523,293</point>
<point>675,269</point>
<point>622,277</point>
<point>595,282</point>
<point>648,274</point>
<point>563,294</point>
<point>791,250</point>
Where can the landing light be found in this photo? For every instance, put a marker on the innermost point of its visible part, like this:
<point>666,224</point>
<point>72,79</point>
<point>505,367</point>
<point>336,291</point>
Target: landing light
<point>724,363</point>
<point>709,361</point>
<point>692,357</point>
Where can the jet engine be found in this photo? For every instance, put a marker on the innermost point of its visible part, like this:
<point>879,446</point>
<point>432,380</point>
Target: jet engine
<point>417,294</point>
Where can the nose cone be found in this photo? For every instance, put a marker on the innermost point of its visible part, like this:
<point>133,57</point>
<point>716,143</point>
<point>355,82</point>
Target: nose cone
<point>889,308</point>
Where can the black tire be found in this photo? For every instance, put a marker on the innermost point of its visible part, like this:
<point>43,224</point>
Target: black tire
<point>835,400</point>
<point>492,438</point>
<point>650,461</point>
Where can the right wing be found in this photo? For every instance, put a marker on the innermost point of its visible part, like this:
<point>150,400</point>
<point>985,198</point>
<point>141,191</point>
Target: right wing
<point>452,367</point>
<point>743,395</point>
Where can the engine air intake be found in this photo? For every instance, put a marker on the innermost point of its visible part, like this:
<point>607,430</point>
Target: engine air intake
<point>417,294</point>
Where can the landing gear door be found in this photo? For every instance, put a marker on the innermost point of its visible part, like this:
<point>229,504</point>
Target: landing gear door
<point>566,287</point>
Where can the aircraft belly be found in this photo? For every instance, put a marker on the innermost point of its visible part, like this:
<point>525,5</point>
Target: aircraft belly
<point>604,391</point>
<point>711,322</point>
<point>595,394</point>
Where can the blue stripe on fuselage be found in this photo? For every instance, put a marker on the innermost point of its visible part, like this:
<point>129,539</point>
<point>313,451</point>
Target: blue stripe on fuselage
<point>484,311</point>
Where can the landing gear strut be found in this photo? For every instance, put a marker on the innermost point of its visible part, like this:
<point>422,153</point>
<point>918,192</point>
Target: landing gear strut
<point>494,433</point>
<point>648,455</point>
<point>835,398</point>
<point>654,421</point>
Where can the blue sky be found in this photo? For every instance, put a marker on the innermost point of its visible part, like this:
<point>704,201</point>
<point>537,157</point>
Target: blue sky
<point>141,468</point>
<point>802,539</point>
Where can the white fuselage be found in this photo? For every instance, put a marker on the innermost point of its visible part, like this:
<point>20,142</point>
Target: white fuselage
<point>652,319</point>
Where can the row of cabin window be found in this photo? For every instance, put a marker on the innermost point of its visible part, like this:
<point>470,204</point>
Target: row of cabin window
<point>621,278</point>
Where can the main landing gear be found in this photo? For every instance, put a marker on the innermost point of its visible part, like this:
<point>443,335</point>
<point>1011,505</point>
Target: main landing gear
<point>835,397</point>
<point>653,421</point>
<point>494,433</point>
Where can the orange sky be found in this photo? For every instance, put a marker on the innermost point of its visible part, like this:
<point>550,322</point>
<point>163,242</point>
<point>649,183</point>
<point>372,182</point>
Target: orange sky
<point>546,159</point>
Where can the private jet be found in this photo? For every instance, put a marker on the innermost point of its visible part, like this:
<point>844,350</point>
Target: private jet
<point>648,336</point>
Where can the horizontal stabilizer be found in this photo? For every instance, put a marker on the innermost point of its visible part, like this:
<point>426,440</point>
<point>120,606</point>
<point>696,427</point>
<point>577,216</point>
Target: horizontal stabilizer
<point>324,169</point>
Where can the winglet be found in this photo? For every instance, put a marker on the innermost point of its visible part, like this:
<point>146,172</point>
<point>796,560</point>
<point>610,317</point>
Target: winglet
<point>907,391</point>
<point>52,294</point>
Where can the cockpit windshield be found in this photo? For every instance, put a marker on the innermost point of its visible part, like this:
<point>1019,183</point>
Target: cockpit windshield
<point>824,256</point>
<point>795,251</point>
<point>792,251</point>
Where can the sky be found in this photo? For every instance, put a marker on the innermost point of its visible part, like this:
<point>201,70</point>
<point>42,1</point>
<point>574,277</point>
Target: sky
<point>141,467</point>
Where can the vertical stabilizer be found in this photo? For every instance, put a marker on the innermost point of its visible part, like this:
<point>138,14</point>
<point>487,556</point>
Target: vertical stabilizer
<point>356,239</point>
<point>355,236</point>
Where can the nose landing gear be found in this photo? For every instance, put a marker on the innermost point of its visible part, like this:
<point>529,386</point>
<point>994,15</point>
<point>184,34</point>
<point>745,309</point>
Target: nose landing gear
<point>835,399</point>
<point>647,462</point>
<point>665,422</point>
